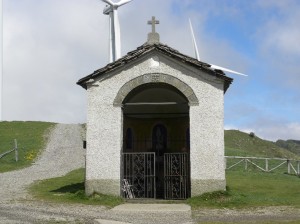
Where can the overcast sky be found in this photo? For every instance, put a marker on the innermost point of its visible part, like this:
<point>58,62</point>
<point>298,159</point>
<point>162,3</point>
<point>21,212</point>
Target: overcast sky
<point>49,44</point>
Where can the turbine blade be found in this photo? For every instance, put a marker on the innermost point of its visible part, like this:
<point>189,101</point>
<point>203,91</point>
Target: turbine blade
<point>108,2</point>
<point>122,2</point>
<point>226,69</point>
<point>198,57</point>
<point>194,42</point>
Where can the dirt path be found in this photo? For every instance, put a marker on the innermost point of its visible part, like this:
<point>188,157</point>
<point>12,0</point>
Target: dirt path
<point>62,154</point>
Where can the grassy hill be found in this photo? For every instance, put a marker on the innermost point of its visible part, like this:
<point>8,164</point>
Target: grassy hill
<point>30,137</point>
<point>291,145</point>
<point>238,143</point>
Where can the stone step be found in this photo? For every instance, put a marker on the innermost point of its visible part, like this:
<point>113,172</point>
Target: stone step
<point>128,207</point>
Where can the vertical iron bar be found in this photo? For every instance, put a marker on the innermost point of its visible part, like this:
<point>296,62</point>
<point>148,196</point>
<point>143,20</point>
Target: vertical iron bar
<point>154,177</point>
<point>181,174</point>
<point>131,171</point>
<point>165,180</point>
<point>166,167</point>
<point>184,176</point>
<point>150,177</point>
<point>170,179</point>
<point>182,184</point>
<point>169,173</point>
<point>165,176</point>
<point>145,175</point>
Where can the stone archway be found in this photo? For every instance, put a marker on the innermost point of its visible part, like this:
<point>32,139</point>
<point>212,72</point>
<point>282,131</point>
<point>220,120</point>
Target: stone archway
<point>154,107</point>
<point>156,78</point>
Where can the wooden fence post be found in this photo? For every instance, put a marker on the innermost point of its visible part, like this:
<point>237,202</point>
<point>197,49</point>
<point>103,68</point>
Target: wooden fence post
<point>267,165</point>
<point>298,169</point>
<point>288,166</point>
<point>16,150</point>
<point>246,164</point>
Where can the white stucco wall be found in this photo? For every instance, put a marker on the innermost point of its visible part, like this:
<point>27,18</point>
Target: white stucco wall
<point>104,121</point>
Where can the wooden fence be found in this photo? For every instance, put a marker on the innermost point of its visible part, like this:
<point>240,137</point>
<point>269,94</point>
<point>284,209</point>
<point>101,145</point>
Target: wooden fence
<point>289,166</point>
<point>15,149</point>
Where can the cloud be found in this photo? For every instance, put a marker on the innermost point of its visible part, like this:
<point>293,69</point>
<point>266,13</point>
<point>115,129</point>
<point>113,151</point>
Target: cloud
<point>270,128</point>
<point>273,87</point>
<point>50,44</point>
<point>278,39</point>
<point>271,132</point>
<point>282,131</point>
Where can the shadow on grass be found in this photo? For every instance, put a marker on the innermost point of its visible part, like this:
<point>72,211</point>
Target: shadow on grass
<point>72,188</point>
<point>76,193</point>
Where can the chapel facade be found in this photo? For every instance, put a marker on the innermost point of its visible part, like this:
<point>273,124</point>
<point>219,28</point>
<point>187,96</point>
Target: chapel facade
<point>155,125</point>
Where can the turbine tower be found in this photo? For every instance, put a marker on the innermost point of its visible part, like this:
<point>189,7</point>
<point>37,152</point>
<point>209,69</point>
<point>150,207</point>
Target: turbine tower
<point>211,65</point>
<point>114,28</point>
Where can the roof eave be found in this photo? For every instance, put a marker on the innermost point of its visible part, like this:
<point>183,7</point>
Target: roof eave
<point>164,49</point>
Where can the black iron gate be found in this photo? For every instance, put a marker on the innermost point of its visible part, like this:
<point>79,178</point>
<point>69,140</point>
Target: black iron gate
<point>141,174</point>
<point>176,173</point>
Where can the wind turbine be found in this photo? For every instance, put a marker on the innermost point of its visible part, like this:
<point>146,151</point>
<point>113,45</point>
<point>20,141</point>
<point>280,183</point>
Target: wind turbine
<point>114,28</point>
<point>212,66</point>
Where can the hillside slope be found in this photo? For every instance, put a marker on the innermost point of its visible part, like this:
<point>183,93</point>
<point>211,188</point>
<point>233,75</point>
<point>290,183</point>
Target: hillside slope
<point>291,145</point>
<point>238,143</point>
<point>31,138</point>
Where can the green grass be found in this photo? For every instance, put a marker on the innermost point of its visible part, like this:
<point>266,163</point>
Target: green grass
<point>252,189</point>
<point>70,189</point>
<point>245,189</point>
<point>31,138</point>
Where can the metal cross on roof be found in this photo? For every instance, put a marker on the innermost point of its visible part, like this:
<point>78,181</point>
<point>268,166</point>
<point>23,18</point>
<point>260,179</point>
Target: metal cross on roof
<point>153,22</point>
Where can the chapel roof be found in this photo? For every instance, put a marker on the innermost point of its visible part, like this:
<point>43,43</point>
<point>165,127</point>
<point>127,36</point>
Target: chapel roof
<point>164,49</point>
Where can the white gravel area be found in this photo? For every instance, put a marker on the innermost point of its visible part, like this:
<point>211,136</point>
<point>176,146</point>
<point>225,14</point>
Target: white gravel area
<point>45,212</point>
<point>62,154</point>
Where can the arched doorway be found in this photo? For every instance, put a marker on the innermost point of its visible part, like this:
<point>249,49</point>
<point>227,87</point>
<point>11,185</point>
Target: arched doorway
<point>156,165</point>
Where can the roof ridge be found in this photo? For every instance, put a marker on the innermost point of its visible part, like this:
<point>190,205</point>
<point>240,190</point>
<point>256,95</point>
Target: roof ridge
<point>164,49</point>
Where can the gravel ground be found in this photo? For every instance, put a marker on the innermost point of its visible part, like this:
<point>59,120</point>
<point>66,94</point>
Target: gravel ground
<point>64,153</point>
<point>249,215</point>
<point>39,212</point>
<point>45,212</point>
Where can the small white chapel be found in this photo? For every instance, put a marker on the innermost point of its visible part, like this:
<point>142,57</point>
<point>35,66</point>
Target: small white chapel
<point>155,125</point>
